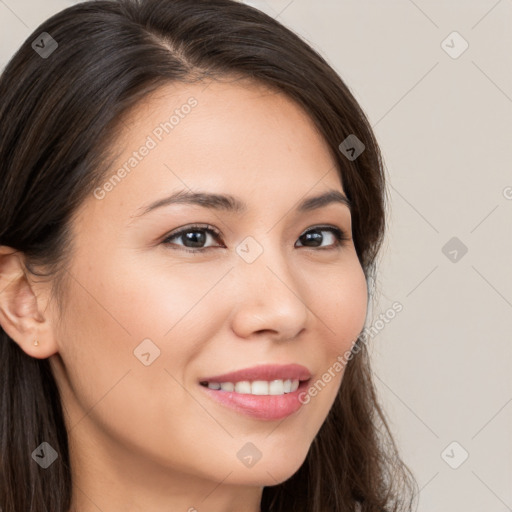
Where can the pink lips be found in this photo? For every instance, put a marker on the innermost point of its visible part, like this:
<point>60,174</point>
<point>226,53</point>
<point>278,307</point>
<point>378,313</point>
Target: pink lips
<point>263,372</point>
<point>263,407</point>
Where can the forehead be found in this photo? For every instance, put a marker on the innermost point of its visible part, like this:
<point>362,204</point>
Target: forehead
<point>234,118</point>
<point>237,137</point>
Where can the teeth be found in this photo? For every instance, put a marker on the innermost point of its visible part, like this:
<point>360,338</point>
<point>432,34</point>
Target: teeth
<point>243,387</point>
<point>258,387</point>
<point>227,386</point>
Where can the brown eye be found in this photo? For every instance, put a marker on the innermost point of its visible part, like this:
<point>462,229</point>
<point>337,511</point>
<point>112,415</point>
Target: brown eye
<point>314,237</point>
<point>193,238</point>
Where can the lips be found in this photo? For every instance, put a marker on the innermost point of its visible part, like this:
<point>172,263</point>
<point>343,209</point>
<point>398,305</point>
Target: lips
<point>262,372</point>
<point>259,407</point>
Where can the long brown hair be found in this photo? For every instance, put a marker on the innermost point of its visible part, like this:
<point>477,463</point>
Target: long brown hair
<point>58,118</point>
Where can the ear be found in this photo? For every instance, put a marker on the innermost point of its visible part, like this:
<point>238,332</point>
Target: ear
<point>22,307</point>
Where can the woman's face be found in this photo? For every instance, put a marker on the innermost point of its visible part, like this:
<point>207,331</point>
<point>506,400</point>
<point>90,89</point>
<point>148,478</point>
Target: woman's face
<point>149,315</point>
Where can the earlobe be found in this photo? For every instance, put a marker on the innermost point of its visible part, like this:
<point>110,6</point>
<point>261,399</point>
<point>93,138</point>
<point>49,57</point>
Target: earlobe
<point>20,311</point>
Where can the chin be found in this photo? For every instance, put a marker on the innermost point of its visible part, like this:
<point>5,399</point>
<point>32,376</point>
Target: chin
<point>266,474</point>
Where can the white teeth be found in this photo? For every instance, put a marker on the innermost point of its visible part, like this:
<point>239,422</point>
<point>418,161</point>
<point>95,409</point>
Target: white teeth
<point>227,386</point>
<point>276,387</point>
<point>243,387</point>
<point>258,387</point>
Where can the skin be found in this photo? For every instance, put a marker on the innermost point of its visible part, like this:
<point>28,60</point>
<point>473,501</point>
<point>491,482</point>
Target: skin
<point>147,438</point>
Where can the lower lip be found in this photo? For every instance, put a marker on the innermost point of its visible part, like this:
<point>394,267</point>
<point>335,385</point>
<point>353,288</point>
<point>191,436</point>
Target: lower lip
<point>263,407</point>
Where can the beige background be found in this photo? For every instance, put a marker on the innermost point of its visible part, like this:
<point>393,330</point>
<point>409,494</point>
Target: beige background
<point>444,123</point>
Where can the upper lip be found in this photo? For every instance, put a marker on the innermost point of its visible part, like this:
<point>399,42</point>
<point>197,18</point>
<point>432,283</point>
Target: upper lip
<point>267,372</point>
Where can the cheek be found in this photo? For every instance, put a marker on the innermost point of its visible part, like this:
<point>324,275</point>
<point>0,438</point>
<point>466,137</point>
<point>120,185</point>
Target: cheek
<point>153,299</point>
<point>339,302</point>
<point>108,318</point>
<point>165,310</point>
<point>344,302</point>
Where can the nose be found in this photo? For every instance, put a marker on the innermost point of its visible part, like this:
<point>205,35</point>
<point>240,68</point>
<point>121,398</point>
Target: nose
<point>269,298</point>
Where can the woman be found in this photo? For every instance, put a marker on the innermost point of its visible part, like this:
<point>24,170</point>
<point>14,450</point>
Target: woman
<point>192,207</point>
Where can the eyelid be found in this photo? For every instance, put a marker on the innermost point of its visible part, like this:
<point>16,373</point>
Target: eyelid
<point>320,227</point>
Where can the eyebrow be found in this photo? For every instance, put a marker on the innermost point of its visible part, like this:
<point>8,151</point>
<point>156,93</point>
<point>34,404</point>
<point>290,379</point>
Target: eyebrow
<point>229,203</point>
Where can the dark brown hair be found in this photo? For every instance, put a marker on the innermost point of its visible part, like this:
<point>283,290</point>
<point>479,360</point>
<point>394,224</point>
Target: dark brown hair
<point>58,120</point>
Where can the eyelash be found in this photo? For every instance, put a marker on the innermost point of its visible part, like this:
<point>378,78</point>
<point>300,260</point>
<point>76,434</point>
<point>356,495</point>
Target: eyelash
<point>340,234</point>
